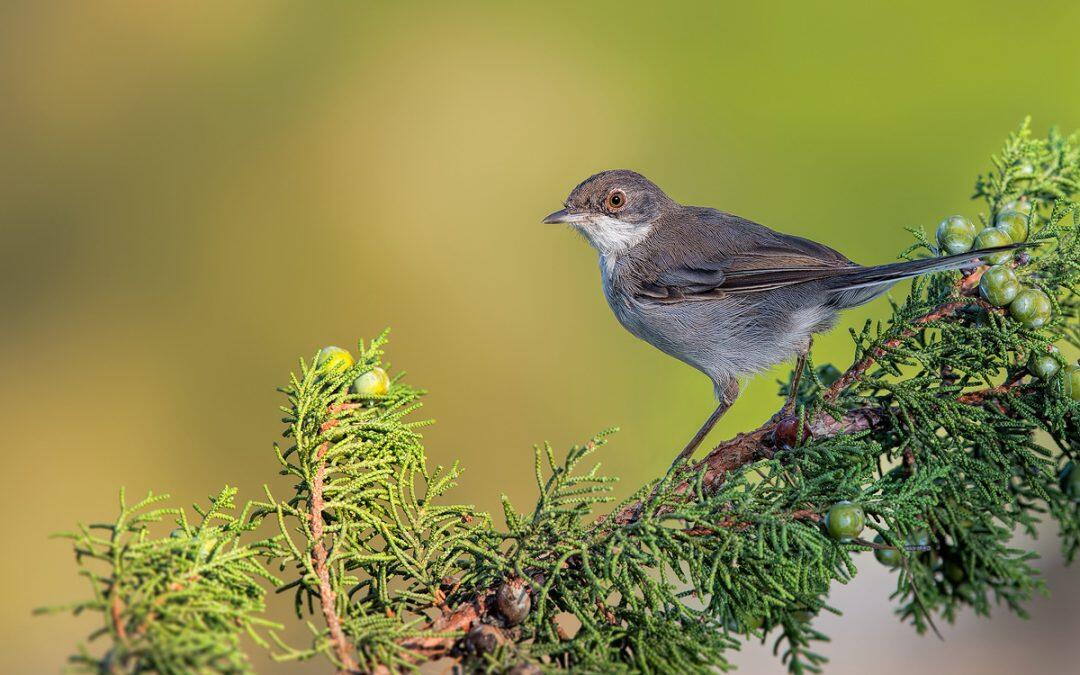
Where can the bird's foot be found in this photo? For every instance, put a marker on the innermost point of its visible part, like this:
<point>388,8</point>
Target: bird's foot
<point>793,392</point>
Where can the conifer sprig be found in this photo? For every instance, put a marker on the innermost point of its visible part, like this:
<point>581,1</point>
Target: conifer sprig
<point>177,603</point>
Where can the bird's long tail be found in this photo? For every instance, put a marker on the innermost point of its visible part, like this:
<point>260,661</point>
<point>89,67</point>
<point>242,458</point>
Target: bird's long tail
<point>863,284</point>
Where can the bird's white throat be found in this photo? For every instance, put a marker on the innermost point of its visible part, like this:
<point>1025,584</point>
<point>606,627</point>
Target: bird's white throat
<point>611,236</point>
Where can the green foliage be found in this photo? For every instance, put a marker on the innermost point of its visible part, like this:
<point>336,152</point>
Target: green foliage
<point>177,603</point>
<point>966,449</point>
<point>1044,170</point>
<point>392,543</point>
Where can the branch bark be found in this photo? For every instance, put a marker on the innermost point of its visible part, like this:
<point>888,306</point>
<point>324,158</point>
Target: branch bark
<point>461,619</point>
<point>319,557</point>
<point>116,613</point>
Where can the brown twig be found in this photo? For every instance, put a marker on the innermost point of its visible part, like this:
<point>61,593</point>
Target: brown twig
<point>116,613</point>
<point>800,514</point>
<point>609,616</point>
<point>461,619</point>
<point>982,395</point>
<point>327,596</point>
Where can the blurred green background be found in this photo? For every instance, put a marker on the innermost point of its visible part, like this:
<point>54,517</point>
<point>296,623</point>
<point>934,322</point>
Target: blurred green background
<point>193,195</point>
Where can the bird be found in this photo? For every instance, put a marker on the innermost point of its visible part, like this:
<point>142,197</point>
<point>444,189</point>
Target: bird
<point>721,293</point>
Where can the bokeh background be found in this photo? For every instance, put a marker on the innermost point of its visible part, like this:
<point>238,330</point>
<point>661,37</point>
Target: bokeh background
<point>193,195</point>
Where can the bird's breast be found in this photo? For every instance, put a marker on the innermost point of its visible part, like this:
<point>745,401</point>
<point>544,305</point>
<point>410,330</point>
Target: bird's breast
<point>643,319</point>
<point>618,297</point>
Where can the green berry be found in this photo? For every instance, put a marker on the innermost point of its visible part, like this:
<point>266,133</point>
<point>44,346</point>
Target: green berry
<point>1024,206</point>
<point>992,237</point>
<point>1070,481</point>
<point>999,285</point>
<point>890,557</point>
<point>1013,222</point>
<point>1044,366</point>
<point>1072,382</point>
<point>334,359</point>
<point>206,547</point>
<point>953,570</point>
<point>845,521</point>
<point>374,382</point>
<point>1031,307</point>
<point>747,625</point>
<point>956,234</point>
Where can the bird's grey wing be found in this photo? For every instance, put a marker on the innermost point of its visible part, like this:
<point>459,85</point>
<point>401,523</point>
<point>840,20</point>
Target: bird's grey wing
<point>744,257</point>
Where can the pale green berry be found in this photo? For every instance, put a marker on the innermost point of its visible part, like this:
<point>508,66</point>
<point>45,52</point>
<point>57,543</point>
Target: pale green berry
<point>845,521</point>
<point>890,557</point>
<point>1031,307</point>
<point>1072,382</point>
<point>992,237</point>
<point>334,359</point>
<point>999,285</point>
<point>1024,206</point>
<point>1013,222</point>
<point>956,234</point>
<point>374,382</point>
<point>1044,366</point>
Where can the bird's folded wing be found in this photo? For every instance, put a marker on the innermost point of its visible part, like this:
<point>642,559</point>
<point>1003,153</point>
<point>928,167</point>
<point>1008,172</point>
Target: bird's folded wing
<point>786,261</point>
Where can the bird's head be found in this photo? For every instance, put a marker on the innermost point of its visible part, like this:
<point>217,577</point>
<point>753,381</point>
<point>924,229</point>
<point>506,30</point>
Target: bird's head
<point>613,209</point>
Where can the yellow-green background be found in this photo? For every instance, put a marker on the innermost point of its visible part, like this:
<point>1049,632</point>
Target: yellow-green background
<point>193,195</point>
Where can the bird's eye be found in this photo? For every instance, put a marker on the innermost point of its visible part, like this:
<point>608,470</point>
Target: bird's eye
<point>616,200</point>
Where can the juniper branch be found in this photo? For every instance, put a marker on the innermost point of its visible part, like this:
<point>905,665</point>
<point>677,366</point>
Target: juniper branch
<point>319,556</point>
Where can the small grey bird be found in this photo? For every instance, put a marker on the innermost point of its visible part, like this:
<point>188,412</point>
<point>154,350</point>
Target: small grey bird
<point>721,293</point>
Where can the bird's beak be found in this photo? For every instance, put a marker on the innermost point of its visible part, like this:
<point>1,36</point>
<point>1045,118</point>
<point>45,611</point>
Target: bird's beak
<point>560,216</point>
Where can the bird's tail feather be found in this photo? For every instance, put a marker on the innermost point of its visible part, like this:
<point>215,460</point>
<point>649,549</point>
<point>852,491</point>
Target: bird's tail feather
<point>866,283</point>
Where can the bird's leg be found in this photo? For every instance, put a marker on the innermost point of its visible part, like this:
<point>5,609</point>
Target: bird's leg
<point>800,365</point>
<point>727,398</point>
